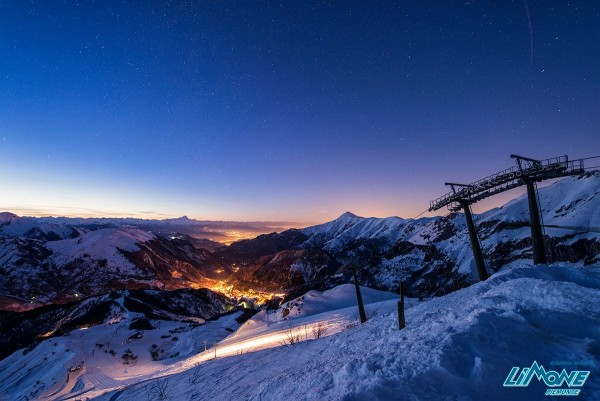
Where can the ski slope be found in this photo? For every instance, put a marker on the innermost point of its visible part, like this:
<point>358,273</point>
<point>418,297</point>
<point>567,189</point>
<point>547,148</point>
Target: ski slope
<point>88,362</point>
<point>457,347</point>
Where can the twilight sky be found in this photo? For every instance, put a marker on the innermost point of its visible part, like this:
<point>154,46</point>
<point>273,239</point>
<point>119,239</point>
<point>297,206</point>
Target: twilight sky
<point>289,111</point>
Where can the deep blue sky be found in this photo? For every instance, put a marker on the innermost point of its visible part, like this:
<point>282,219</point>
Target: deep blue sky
<point>289,110</point>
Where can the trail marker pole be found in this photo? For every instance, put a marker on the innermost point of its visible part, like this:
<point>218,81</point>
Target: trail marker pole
<point>401,321</point>
<point>361,307</point>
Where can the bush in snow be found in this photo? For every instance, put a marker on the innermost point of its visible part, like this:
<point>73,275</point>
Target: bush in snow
<point>155,352</point>
<point>129,358</point>
<point>141,323</point>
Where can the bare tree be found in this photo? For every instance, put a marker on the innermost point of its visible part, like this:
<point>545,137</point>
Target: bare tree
<point>291,337</point>
<point>158,390</point>
<point>319,330</point>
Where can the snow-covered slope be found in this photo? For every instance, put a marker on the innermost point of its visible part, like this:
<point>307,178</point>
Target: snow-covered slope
<point>112,354</point>
<point>104,244</point>
<point>25,329</point>
<point>104,355</point>
<point>461,346</point>
<point>574,199</point>
<point>47,261</point>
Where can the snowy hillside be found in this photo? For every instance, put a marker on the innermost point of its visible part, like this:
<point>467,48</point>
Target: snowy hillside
<point>42,262</point>
<point>104,244</point>
<point>118,352</point>
<point>26,329</point>
<point>459,346</point>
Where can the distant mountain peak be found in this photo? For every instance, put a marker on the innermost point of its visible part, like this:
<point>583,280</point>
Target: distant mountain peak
<point>182,219</point>
<point>349,215</point>
<point>7,216</point>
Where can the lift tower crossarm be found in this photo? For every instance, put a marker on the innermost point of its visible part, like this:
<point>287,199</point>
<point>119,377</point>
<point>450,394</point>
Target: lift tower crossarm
<point>453,184</point>
<point>534,170</point>
<point>534,161</point>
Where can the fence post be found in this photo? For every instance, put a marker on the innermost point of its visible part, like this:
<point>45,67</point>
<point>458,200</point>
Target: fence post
<point>361,307</point>
<point>401,321</point>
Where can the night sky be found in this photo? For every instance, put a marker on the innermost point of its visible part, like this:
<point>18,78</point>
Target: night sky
<point>289,111</point>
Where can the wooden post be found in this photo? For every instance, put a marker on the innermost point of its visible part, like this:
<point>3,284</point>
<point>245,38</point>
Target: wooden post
<point>361,307</point>
<point>401,321</point>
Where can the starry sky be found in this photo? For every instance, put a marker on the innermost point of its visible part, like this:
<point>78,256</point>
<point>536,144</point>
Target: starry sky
<point>284,110</point>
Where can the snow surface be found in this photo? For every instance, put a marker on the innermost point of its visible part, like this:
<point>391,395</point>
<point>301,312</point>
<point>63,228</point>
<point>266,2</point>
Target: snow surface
<point>101,244</point>
<point>573,199</point>
<point>457,347</point>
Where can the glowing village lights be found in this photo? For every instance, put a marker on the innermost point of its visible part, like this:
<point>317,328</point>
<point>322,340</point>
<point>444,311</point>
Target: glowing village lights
<point>245,297</point>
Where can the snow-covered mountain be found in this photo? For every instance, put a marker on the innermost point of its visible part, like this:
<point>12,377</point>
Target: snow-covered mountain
<point>433,255</point>
<point>336,235</point>
<point>211,233</point>
<point>43,262</point>
<point>56,260</point>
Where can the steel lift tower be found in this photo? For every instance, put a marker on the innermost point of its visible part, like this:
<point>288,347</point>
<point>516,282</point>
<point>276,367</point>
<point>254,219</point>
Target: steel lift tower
<point>527,172</point>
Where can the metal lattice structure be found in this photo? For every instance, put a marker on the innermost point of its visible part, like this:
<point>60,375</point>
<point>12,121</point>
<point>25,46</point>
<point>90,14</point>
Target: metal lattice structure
<point>526,169</point>
<point>527,172</point>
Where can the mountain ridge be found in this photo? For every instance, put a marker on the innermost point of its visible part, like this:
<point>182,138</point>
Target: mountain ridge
<point>49,260</point>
